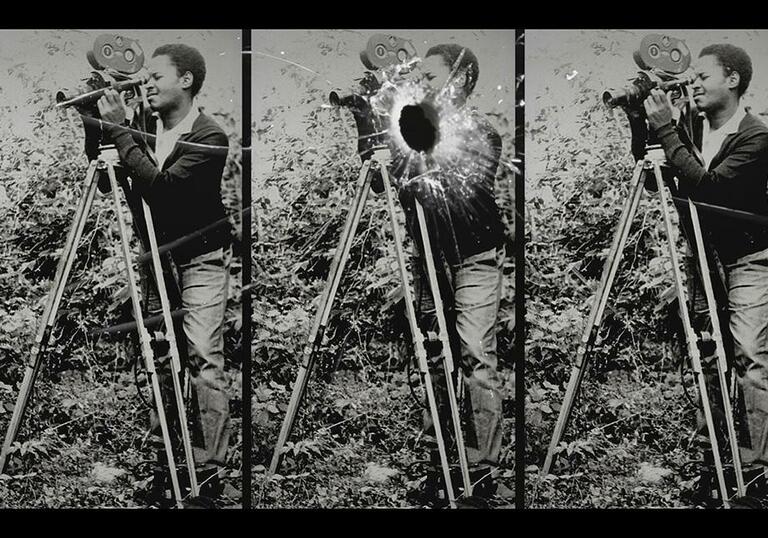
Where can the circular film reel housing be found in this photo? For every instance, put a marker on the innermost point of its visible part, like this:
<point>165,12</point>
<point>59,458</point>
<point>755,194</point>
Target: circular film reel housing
<point>658,51</point>
<point>384,50</point>
<point>112,51</point>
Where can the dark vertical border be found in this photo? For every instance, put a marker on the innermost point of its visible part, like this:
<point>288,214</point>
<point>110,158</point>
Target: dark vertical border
<point>520,270</point>
<point>246,242</point>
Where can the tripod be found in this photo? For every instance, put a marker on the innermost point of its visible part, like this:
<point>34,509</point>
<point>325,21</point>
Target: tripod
<point>653,162</point>
<point>105,163</point>
<point>435,343</point>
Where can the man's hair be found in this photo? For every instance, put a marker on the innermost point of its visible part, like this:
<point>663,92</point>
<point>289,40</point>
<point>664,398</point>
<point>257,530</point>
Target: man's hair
<point>732,58</point>
<point>185,58</point>
<point>450,53</point>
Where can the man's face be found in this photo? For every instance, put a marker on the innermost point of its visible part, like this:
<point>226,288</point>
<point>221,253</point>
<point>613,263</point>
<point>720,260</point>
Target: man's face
<point>712,88</point>
<point>436,73</point>
<point>165,88</point>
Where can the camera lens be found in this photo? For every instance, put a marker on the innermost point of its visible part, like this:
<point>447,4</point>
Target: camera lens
<point>129,56</point>
<point>675,55</point>
<point>653,50</point>
<point>381,51</point>
<point>107,51</point>
<point>402,55</point>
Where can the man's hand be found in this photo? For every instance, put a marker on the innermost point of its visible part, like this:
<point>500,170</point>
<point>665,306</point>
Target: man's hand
<point>658,109</point>
<point>112,108</point>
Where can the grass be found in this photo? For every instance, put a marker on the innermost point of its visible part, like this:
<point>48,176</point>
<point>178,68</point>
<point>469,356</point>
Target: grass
<point>83,443</point>
<point>357,444</point>
<point>631,444</point>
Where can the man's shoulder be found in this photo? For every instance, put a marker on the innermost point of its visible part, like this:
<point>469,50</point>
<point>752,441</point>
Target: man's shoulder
<point>482,120</point>
<point>207,131</point>
<point>752,124</point>
<point>206,125</point>
<point>484,125</point>
<point>752,134</point>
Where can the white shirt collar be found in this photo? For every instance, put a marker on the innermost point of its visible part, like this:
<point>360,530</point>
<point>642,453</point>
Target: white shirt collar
<point>184,126</point>
<point>712,140</point>
<point>731,126</point>
<point>166,140</point>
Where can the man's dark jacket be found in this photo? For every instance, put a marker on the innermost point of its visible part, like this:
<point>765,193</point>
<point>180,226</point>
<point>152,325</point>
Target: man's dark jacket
<point>185,195</point>
<point>736,178</point>
<point>461,211</point>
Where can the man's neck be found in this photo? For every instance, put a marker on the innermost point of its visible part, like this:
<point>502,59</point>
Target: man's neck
<point>172,117</point>
<point>718,118</point>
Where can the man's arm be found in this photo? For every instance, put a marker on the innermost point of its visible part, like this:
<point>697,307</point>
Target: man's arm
<point>94,134</point>
<point>208,149</point>
<point>751,152</point>
<point>746,155</point>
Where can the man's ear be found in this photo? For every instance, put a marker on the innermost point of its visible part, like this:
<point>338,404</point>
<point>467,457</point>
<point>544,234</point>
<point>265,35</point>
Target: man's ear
<point>460,79</point>
<point>187,79</point>
<point>734,78</point>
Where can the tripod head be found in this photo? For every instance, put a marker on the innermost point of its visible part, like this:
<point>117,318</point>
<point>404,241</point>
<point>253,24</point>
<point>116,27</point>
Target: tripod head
<point>654,154</point>
<point>381,155</point>
<point>108,156</point>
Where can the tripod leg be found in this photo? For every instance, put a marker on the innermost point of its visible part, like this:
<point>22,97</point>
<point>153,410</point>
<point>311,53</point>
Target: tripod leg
<point>596,313</point>
<point>323,312</point>
<point>176,370</point>
<point>690,335</point>
<point>418,342</point>
<point>722,364</point>
<point>51,309</point>
<point>146,350</point>
<point>448,364</point>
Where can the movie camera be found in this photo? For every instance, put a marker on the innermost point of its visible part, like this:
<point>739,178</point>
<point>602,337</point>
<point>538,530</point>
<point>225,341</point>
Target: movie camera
<point>664,62</point>
<point>117,62</point>
<point>382,52</point>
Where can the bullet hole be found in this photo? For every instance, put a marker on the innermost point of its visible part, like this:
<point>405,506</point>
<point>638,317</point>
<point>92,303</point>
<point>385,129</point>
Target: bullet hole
<point>419,126</point>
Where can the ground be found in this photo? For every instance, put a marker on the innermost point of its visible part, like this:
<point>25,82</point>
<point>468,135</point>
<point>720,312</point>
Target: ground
<point>85,446</point>
<point>639,453</point>
<point>357,444</point>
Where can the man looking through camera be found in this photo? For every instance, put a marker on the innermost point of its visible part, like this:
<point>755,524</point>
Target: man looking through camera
<point>731,171</point>
<point>177,166</point>
<point>467,234</point>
